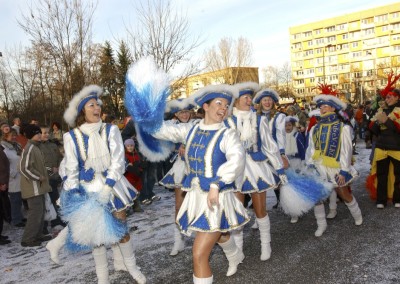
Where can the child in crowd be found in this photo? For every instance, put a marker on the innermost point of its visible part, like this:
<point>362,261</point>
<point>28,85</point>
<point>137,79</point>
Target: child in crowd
<point>134,170</point>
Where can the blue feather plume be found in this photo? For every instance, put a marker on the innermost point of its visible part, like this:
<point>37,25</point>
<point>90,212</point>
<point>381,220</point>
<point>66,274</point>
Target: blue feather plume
<point>147,88</point>
<point>302,192</point>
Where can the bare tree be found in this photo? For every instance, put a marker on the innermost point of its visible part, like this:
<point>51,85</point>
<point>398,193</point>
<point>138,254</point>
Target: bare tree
<point>162,33</point>
<point>226,59</point>
<point>63,29</point>
<point>271,76</point>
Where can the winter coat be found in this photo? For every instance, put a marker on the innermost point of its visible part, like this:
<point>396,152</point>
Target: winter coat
<point>52,158</point>
<point>15,176</point>
<point>32,168</point>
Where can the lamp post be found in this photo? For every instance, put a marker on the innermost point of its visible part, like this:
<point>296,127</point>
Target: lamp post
<point>323,60</point>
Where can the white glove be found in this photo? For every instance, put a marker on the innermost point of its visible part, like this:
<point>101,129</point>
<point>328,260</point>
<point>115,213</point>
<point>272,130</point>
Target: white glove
<point>104,195</point>
<point>283,178</point>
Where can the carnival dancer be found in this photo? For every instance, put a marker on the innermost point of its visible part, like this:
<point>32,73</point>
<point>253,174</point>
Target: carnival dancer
<point>261,150</point>
<point>330,153</point>
<point>95,192</point>
<point>181,109</point>
<point>214,157</point>
<point>294,149</point>
<point>268,100</point>
<point>386,161</point>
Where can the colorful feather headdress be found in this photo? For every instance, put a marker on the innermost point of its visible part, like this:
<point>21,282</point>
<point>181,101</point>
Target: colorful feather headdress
<point>390,85</point>
<point>329,96</point>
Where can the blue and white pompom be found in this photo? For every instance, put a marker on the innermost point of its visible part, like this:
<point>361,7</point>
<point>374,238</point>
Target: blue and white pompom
<point>147,88</point>
<point>302,193</point>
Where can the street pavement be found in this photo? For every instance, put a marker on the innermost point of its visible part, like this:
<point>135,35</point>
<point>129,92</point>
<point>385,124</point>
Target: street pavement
<point>344,254</point>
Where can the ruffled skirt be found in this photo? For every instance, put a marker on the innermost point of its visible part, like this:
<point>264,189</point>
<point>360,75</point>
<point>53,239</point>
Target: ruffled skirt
<point>175,176</point>
<point>195,215</point>
<point>258,177</point>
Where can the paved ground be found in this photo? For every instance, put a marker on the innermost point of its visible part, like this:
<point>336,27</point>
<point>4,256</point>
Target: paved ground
<point>344,254</point>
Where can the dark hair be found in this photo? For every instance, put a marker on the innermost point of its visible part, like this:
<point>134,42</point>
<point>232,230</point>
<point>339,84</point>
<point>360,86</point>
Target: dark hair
<point>56,124</point>
<point>80,119</point>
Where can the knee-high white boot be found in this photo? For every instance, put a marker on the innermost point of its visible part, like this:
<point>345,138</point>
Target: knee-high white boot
<point>332,205</point>
<point>207,280</point>
<point>319,212</point>
<point>233,254</point>
<point>238,238</point>
<point>100,259</point>
<point>355,211</point>
<point>119,264</point>
<point>130,262</point>
<point>179,243</point>
<point>255,225</point>
<point>56,244</point>
<point>265,237</point>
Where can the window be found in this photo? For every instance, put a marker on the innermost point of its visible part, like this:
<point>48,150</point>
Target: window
<point>299,73</point>
<point>319,41</point>
<point>395,15</point>
<point>354,44</point>
<point>318,50</point>
<point>317,32</point>
<point>345,36</point>
<point>320,69</point>
<point>396,48</point>
<point>297,36</point>
<point>300,91</point>
<point>357,54</point>
<point>330,29</point>
<point>369,31</point>
<point>308,52</point>
<point>309,71</point>
<point>367,21</point>
<point>297,45</point>
<point>354,35</point>
<point>385,28</point>
<point>396,37</point>
<point>331,39</point>
<point>310,43</point>
<point>312,80</point>
<point>340,27</point>
<point>307,34</point>
<point>396,26</point>
<point>381,18</point>
<point>344,46</point>
<point>320,60</point>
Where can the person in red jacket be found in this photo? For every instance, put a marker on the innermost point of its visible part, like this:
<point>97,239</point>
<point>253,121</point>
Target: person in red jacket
<point>134,169</point>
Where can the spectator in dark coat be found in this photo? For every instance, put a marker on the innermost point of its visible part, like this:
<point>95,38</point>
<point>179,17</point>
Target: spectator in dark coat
<point>4,179</point>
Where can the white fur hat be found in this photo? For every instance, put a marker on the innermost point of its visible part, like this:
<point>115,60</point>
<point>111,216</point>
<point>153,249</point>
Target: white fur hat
<point>79,100</point>
<point>247,88</point>
<point>266,93</point>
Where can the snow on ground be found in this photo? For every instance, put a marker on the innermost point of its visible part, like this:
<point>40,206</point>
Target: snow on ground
<point>295,256</point>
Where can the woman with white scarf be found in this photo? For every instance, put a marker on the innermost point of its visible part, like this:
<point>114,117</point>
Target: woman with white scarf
<point>95,192</point>
<point>258,175</point>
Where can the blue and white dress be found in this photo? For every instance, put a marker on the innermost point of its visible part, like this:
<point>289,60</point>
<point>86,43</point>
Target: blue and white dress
<point>90,222</point>
<point>261,152</point>
<point>295,150</point>
<point>213,155</point>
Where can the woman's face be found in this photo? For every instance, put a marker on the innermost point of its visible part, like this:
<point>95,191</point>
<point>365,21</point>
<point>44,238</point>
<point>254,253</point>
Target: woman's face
<point>244,103</point>
<point>267,103</point>
<point>11,137</point>
<point>92,110</point>
<point>55,128</point>
<point>216,110</point>
<point>183,115</point>
<point>130,148</point>
<point>326,108</point>
<point>391,100</point>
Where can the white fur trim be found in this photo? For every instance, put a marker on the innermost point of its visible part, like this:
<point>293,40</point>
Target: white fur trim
<point>179,104</point>
<point>289,118</point>
<point>334,99</point>
<point>71,112</point>
<point>314,112</point>
<point>248,86</point>
<point>232,91</point>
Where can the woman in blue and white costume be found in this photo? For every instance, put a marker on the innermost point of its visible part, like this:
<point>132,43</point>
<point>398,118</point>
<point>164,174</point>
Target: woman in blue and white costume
<point>180,108</point>
<point>261,150</point>
<point>95,191</point>
<point>267,100</point>
<point>330,152</point>
<point>215,159</point>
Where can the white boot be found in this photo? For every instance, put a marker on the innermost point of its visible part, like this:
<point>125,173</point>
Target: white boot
<point>208,280</point>
<point>130,262</point>
<point>332,205</point>
<point>56,244</point>
<point>179,243</point>
<point>100,259</point>
<point>255,225</point>
<point>233,254</point>
<point>238,238</point>
<point>319,212</point>
<point>355,211</point>
<point>265,237</point>
<point>119,264</point>
<point>294,219</point>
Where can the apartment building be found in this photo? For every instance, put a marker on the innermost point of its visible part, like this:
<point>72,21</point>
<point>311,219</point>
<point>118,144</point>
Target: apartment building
<point>353,52</point>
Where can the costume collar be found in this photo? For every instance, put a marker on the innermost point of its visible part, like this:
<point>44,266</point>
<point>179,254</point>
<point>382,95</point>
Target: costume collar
<point>214,126</point>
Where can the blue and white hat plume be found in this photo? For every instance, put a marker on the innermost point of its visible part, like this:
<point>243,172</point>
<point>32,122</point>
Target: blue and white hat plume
<point>147,88</point>
<point>79,100</point>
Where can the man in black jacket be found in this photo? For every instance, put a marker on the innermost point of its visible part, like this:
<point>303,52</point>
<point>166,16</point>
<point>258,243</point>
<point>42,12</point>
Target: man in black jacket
<point>4,202</point>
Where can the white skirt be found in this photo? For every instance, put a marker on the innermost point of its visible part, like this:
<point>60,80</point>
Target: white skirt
<point>195,215</point>
<point>175,176</point>
<point>329,174</point>
<point>258,177</point>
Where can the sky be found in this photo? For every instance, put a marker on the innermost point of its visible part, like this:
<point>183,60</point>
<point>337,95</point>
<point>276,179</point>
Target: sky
<point>264,23</point>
